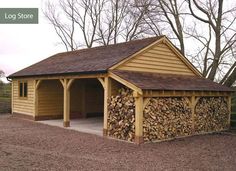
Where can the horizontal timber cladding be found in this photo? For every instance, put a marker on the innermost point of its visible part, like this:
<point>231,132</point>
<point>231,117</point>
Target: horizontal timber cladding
<point>50,98</point>
<point>167,117</point>
<point>159,59</point>
<point>211,114</point>
<point>121,115</point>
<point>23,105</point>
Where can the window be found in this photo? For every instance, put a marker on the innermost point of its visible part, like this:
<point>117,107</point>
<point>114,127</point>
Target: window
<point>23,89</point>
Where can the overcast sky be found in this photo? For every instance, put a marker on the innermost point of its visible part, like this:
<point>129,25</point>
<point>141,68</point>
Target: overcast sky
<point>22,45</point>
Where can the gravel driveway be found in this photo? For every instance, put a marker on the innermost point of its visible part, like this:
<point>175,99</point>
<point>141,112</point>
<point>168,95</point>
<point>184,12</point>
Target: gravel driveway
<point>27,145</point>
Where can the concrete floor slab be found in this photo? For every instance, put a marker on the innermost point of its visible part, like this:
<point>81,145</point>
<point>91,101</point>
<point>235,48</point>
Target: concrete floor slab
<point>87,125</point>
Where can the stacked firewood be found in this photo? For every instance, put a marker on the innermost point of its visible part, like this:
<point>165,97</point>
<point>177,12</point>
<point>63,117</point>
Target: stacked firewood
<point>211,114</point>
<point>121,115</point>
<point>166,118</point>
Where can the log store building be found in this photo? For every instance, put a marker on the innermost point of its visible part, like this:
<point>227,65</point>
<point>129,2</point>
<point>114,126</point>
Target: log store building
<point>145,90</point>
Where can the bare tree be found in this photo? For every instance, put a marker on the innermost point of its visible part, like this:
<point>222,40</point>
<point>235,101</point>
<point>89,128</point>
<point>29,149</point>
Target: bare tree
<point>223,29</point>
<point>73,17</point>
<point>121,21</point>
<point>134,20</point>
<point>64,26</point>
<point>111,21</point>
<point>99,21</point>
<point>166,17</point>
<point>208,24</point>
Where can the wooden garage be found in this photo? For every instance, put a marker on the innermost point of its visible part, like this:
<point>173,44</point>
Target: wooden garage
<point>146,90</point>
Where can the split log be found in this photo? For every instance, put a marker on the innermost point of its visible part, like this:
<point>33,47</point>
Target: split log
<point>166,118</point>
<point>211,114</point>
<point>121,115</point>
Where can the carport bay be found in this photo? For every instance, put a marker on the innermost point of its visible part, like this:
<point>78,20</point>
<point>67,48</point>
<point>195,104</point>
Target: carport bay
<point>84,99</point>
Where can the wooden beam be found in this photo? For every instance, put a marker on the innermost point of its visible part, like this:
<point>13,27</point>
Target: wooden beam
<point>138,118</point>
<point>66,108</point>
<point>66,101</point>
<point>60,77</point>
<point>102,81</point>
<point>37,83</point>
<point>193,105</point>
<point>126,83</point>
<point>229,108</point>
<point>70,83</point>
<point>36,86</point>
<point>161,93</point>
<point>107,94</point>
<point>12,96</point>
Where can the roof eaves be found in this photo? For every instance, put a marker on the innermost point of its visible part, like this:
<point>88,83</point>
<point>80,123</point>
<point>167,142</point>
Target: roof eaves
<point>60,74</point>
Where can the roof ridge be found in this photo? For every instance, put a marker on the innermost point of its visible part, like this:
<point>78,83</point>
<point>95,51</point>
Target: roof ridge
<point>105,46</point>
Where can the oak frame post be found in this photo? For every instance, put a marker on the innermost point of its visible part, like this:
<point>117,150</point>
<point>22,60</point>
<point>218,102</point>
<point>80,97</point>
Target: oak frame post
<point>193,104</point>
<point>36,87</point>
<point>66,101</point>
<point>107,93</point>
<point>229,108</point>
<point>138,117</point>
<point>12,96</point>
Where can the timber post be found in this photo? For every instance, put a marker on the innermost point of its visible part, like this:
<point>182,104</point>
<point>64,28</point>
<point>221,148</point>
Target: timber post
<point>229,108</point>
<point>138,117</point>
<point>66,102</point>
<point>36,87</point>
<point>193,103</point>
<point>106,83</point>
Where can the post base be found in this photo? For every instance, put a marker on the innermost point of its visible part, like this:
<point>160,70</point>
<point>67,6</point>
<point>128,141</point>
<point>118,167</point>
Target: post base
<point>66,123</point>
<point>139,140</point>
<point>104,132</point>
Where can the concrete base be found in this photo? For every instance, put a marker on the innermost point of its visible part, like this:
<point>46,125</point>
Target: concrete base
<point>88,125</point>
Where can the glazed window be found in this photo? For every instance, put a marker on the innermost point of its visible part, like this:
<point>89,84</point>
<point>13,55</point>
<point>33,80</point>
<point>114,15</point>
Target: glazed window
<point>23,89</point>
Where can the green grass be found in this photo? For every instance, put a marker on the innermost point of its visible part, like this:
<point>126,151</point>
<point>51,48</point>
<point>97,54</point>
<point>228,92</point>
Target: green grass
<point>5,98</point>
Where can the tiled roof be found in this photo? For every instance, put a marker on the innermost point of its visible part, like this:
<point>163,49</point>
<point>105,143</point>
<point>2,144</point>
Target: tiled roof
<point>97,59</point>
<point>154,81</point>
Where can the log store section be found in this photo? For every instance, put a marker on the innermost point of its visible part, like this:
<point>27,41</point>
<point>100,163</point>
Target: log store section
<point>151,92</point>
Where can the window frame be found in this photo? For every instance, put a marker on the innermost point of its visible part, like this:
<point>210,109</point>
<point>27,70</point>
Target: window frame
<point>21,89</point>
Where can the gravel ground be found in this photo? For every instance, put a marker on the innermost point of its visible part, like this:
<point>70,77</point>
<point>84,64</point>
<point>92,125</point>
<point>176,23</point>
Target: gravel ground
<point>27,145</point>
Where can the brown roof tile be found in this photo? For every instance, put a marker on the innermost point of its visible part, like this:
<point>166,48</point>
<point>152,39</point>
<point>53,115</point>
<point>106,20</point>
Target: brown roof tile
<point>97,59</point>
<point>153,81</point>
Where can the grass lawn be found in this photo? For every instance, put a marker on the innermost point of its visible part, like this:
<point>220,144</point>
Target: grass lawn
<point>5,98</point>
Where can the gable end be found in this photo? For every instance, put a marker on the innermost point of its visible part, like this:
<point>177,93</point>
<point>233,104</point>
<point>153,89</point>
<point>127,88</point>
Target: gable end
<point>160,57</point>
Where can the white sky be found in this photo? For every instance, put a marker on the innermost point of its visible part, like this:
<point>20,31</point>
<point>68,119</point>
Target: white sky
<point>22,45</point>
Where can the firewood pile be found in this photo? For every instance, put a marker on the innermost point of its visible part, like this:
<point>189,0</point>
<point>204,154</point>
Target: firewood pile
<point>121,115</point>
<point>211,114</point>
<point>166,118</point>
